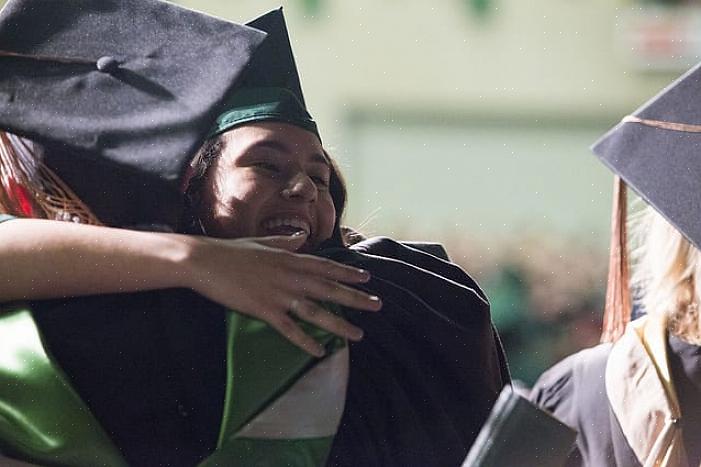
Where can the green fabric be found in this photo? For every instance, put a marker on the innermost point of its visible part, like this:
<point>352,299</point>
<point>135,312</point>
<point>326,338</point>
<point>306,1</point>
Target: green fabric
<point>249,105</point>
<point>42,419</point>
<point>256,379</point>
<point>271,453</point>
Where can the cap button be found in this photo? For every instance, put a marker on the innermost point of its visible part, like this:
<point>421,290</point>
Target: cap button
<point>107,64</point>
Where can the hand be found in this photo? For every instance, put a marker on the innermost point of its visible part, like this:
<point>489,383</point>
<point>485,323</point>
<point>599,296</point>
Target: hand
<point>265,279</point>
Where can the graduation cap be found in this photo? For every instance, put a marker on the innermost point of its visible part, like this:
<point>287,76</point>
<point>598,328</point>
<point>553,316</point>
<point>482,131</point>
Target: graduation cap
<point>270,88</point>
<point>120,93</point>
<point>656,152</point>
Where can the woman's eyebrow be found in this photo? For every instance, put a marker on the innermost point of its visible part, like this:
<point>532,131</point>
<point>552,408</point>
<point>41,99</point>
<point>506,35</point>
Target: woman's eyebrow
<point>270,144</point>
<point>315,158</point>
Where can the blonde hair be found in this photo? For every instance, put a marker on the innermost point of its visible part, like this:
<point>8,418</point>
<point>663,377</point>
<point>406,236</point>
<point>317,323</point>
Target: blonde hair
<point>665,271</point>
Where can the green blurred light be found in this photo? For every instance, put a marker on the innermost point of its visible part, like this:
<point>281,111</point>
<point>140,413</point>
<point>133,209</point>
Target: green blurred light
<point>480,7</point>
<point>311,7</point>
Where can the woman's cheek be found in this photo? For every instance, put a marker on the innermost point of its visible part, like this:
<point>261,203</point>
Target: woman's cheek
<point>327,216</point>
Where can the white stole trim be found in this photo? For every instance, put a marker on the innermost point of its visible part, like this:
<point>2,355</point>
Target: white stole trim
<point>642,398</point>
<point>311,408</point>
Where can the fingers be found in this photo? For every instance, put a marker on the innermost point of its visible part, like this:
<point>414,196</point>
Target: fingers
<point>332,270</point>
<point>291,330</point>
<point>317,315</point>
<point>326,290</point>
<point>312,264</point>
<point>290,243</point>
<point>278,281</point>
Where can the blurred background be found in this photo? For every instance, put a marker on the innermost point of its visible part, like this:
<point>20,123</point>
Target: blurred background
<point>468,122</point>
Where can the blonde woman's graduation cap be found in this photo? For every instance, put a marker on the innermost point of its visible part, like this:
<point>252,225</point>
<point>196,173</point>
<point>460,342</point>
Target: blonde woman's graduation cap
<point>657,152</point>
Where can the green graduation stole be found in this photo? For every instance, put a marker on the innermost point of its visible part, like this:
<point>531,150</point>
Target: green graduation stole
<point>42,419</point>
<point>282,406</point>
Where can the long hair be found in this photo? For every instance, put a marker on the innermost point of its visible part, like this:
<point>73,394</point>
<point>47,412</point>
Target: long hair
<point>666,268</point>
<point>28,188</point>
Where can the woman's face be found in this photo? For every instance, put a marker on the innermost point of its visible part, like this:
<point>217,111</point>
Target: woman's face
<point>270,179</point>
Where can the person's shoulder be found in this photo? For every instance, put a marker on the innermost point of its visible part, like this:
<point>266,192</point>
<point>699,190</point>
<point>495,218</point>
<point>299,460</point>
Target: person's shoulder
<point>385,246</point>
<point>428,256</point>
<point>580,373</point>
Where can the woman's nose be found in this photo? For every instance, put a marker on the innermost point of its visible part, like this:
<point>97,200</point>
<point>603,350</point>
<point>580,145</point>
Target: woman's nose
<point>300,186</point>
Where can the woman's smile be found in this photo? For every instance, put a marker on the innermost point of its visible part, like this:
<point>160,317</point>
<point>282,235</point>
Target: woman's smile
<point>286,226</point>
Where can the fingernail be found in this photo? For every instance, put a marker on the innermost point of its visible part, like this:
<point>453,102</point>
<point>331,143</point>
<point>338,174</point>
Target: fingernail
<point>299,233</point>
<point>356,335</point>
<point>374,298</point>
<point>319,352</point>
<point>365,274</point>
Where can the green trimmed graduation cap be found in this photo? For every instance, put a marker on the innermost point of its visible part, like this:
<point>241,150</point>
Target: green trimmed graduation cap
<point>656,151</point>
<point>270,88</point>
<point>120,93</point>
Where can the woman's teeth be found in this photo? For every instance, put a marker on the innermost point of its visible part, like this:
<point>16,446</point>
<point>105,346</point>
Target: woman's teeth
<point>286,226</point>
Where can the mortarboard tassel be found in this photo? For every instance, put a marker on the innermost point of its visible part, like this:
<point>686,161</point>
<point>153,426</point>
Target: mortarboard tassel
<point>617,309</point>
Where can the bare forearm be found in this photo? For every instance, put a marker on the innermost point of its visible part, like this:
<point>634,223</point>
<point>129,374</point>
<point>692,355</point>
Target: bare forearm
<point>7,462</point>
<point>50,259</point>
<point>260,277</point>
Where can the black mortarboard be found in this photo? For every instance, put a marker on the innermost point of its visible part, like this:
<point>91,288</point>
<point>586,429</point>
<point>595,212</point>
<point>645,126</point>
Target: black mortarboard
<point>120,92</point>
<point>270,88</point>
<point>273,64</point>
<point>656,152</point>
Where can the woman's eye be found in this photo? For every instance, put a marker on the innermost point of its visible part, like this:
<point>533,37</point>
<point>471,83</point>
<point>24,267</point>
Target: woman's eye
<point>322,182</point>
<point>266,166</point>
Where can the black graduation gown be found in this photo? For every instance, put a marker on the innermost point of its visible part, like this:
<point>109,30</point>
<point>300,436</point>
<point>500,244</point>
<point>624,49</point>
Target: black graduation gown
<point>429,369</point>
<point>151,366</point>
<point>574,391</point>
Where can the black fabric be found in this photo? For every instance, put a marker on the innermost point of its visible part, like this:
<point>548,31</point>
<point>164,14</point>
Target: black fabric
<point>273,65</point>
<point>661,165</point>
<point>574,391</point>
<point>121,136</point>
<point>428,370</point>
<point>519,433</point>
<point>685,365</point>
<point>150,366</point>
<point>270,89</point>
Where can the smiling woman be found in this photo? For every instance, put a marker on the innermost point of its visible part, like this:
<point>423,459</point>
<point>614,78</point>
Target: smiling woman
<point>264,179</point>
<point>241,331</point>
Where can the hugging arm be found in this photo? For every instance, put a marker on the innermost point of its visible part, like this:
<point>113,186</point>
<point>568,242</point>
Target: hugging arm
<point>260,277</point>
<point>8,462</point>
